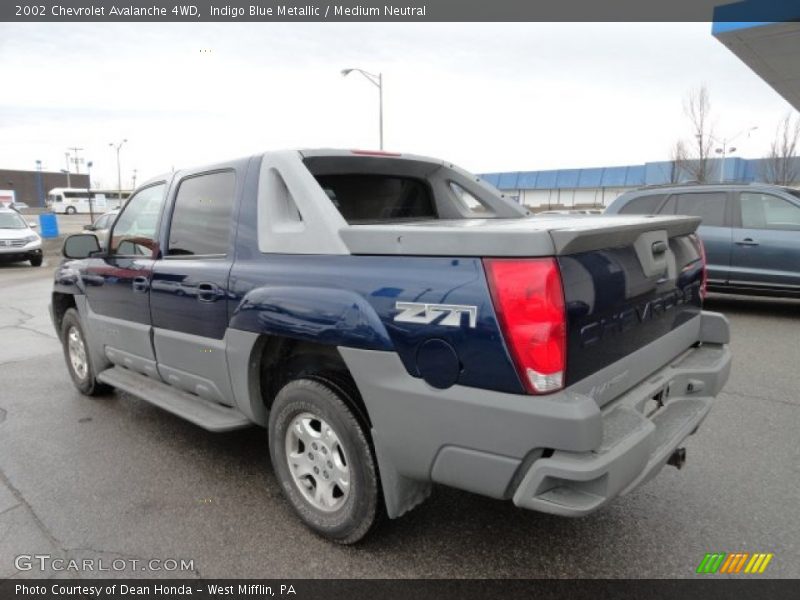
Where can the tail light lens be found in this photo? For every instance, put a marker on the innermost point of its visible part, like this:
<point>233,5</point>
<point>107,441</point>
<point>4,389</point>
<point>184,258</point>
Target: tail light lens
<point>528,299</point>
<point>704,278</point>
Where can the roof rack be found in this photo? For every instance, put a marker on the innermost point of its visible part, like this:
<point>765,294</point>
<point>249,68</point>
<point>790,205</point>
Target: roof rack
<point>696,183</point>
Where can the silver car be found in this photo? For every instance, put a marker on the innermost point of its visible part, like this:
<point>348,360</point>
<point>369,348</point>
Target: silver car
<point>102,225</point>
<point>18,240</point>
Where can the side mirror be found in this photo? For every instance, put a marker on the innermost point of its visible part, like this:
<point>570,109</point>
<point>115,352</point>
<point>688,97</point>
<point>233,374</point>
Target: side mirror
<point>89,228</point>
<point>80,245</point>
<point>33,225</point>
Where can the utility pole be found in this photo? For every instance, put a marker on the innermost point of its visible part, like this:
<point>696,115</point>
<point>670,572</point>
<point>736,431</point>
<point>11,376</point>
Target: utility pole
<point>66,155</point>
<point>76,159</point>
<point>133,183</point>
<point>118,147</point>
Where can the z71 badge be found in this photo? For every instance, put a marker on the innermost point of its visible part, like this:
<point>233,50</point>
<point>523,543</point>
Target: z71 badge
<point>448,315</point>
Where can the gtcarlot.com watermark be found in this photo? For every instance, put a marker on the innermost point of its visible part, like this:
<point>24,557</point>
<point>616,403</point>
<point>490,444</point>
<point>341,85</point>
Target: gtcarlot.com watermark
<point>46,562</point>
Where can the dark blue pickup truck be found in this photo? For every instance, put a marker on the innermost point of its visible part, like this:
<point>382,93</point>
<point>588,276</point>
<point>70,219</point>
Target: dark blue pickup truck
<point>394,322</point>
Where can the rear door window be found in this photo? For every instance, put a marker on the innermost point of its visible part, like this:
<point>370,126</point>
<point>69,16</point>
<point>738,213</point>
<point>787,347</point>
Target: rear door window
<point>765,211</point>
<point>201,220</point>
<point>643,205</point>
<point>709,206</point>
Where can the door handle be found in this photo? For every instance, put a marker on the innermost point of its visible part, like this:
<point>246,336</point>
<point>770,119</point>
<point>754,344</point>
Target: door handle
<point>747,242</point>
<point>209,292</point>
<point>140,284</point>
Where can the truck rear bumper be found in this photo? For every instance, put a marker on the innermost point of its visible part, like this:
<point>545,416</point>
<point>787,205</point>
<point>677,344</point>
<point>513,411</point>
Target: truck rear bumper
<point>641,430</point>
<point>566,453</point>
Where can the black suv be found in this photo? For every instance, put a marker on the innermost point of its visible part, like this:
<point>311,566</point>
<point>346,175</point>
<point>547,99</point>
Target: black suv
<point>751,232</point>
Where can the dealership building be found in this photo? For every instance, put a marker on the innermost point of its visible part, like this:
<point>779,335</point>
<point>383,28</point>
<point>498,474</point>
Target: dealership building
<point>770,49</point>
<point>597,187</point>
<point>31,187</point>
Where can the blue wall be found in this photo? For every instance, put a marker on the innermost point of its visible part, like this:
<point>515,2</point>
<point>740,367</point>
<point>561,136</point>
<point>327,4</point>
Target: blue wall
<point>652,173</point>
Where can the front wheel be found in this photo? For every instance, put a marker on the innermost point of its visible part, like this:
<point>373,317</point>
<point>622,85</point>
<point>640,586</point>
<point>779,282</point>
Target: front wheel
<point>323,460</point>
<point>36,261</point>
<point>70,210</point>
<point>76,353</point>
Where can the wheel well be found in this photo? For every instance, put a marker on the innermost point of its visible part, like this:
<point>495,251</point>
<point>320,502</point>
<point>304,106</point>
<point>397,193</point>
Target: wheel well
<point>280,360</point>
<point>61,303</point>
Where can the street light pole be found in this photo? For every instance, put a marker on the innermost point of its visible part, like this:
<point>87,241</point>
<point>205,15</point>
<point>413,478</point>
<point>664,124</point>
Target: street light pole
<point>377,81</point>
<point>89,190</point>
<point>118,147</point>
<point>39,198</point>
<point>726,149</point>
<point>380,108</point>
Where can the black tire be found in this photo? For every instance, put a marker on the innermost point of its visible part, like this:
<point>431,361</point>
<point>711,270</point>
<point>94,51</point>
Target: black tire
<point>36,261</point>
<point>70,210</point>
<point>359,509</point>
<point>85,381</point>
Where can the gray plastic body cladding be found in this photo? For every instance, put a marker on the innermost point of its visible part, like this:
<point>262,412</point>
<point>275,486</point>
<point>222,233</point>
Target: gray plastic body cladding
<point>245,374</point>
<point>116,341</point>
<point>193,363</point>
<point>413,421</point>
<point>635,446</point>
<point>93,337</point>
<point>481,437</point>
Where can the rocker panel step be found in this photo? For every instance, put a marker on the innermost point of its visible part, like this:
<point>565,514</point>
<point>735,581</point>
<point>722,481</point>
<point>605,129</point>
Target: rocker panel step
<point>208,415</point>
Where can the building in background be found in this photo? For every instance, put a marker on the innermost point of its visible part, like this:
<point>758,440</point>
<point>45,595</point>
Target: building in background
<point>598,187</point>
<point>31,187</point>
<point>771,49</point>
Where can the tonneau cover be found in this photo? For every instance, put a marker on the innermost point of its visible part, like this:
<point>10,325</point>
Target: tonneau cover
<point>533,236</point>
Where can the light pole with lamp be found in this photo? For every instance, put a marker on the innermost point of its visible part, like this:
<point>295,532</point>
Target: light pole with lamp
<point>89,190</point>
<point>67,173</point>
<point>725,149</point>
<point>118,147</point>
<point>377,81</point>
<point>39,195</point>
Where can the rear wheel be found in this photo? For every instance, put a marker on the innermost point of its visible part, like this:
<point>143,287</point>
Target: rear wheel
<point>77,356</point>
<point>323,460</point>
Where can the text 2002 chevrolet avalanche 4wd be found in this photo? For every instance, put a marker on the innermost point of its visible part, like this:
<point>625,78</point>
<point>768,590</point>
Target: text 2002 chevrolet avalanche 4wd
<point>393,321</point>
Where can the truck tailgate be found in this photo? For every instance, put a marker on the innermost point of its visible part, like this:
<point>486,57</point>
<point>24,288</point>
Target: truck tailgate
<point>627,281</point>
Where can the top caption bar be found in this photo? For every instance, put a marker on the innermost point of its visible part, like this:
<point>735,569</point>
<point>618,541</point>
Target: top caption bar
<point>401,11</point>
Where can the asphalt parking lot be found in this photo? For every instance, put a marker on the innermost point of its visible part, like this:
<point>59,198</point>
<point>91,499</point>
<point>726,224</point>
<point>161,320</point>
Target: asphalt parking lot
<point>117,478</point>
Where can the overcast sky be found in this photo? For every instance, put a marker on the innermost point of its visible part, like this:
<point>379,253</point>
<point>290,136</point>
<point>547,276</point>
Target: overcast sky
<point>490,97</point>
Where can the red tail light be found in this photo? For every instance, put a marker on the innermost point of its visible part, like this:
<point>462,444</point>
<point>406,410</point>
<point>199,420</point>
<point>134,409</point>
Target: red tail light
<point>529,301</point>
<point>702,250</point>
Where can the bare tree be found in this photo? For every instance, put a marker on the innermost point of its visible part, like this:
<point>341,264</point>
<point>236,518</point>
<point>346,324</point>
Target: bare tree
<point>697,108</point>
<point>782,166</point>
<point>678,161</point>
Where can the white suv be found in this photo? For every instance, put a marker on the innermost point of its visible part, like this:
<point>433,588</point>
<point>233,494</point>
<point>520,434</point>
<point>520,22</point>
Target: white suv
<point>18,241</point>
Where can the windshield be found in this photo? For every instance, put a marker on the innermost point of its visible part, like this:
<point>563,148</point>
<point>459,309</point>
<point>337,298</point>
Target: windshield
<point>11,221</point>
